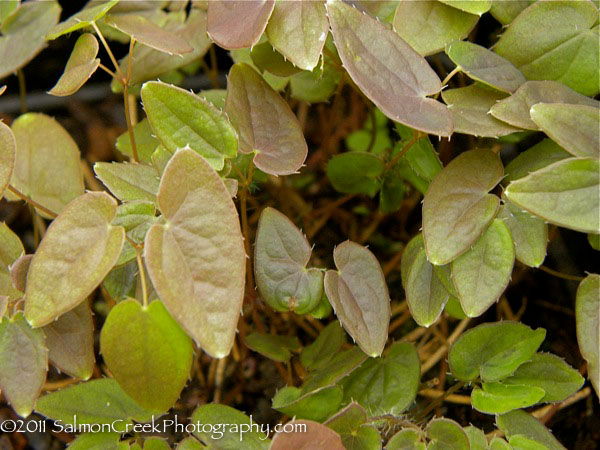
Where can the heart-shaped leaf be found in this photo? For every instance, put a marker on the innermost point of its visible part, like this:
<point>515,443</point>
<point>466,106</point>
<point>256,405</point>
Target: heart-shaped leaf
<point>563,193</point>
<point>324,347</point>
<point>80,67</point>
<point>406,439</point>
<point>82,19</point>
<point>482,273</point>
<point>317,405</point>
<point>457,207</point>
<point>238,24</point>
<point>355,173</point>
<point>499,398</point>
<point>83,231</point>
<point>476,437</point>
<point>129,181</point>
<point>8,148</point>
<point>340,365</point>
<point>11,249</point>
<point>518,422</point>
<point>196,256</point>
<point>277,348</point>
<point>587,315</point>
<point>147,352</point>
<point>351,424</point>
<point>537,157</point>
<point>265,123</point>
<point>446,433</point>
<point>359,296</point>
<point>389,72</point>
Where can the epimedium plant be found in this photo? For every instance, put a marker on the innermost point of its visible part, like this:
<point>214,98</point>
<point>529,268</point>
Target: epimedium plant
<point>172,253</point>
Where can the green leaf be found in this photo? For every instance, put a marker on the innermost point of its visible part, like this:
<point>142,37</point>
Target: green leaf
<point>574,127</point>
<point>519,422</point>
<point>11,250</point>
<point>136,217</point>
<point>350,424</point>
<point>40,157</point>
<point>550,373</point>
<point>156,444</point>
<point>520,442</point>
<point>483,272</point>
<point>23,34</point>
<point>147,33</point>
<point>540,155</point>
<point>317,405</point>
<point>8,148</point>
<point>316,86</point>
<point>23,363</point>
<point>529,234</point>
<point>82,231</point>
<point>403,78</point>
<point>191,444</point>
<point>455,214</point>
<point>355,173</point>
<point>82,19</point>
<point>145,141</point>
<point>70,342</point>
<point>265,122</point>
<point>238,25</point>
<point>306,434</point>
<point>227,437</point>
<point>392,192</point>
<point>497,443</point>
<point>195,256</point>
<point>359,296</point>
<point>505,11</point>
<point>446,434</point>
<point>423,159</point>
<point>563,193</point>
<point>477,438</point>
<point>265,57</point>
<point>182,119</point>
<point>469,108</point>
<point>277,348</point>
<point>553,41</point>
<point>120,283</point>
<point>385,385</point>
<point>498,398</point>
<point>280,259</point>
<point>147,353</point>
<point>587,315</point>
<point>493,350</point>
<point>18,271</point>
<point>337,368</point>
<point>471,6</point>
<point>429,25</point>
<point>298,31</point>
<point>594,240</point>
<point>80,67</point>
<point>515,109</point>
<point>323,309</point>
<point>96,401</point>
<point>242,55</point>
<point>483,65</point>
<point>7,7</point>
<point>96,441</point>
<point>330,340</point>
<point>407,439</point>
<point>129,181</point>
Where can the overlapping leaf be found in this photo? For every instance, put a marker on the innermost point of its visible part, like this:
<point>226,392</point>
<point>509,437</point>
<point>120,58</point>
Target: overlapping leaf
<point>498,398</point>
<point>406,439</point>
<point>351,424</point>
<point>11,249</point>
<point>80,67</point>
<point>324,347</point>
<point>8,147</point>
<point>277,348</point>
<point>129,181</point>
<point>82,19</point>
<point>238,24</point>
<point>472,6</point>
<point>519,422</point>
<point>317,405</point>
<point>195,256</point>
<point>395,77</point>
<point>587,315</point>
<point>313,435</point>
<point>145,141</point>
<point>355,173</point>
<point>537,157</point>
<point>446,434</point>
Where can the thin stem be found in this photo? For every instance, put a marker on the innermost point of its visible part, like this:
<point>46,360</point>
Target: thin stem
<point>558,274</point>
<point>373,130</point>
<point>140,263</point>
<point>403,151</point>
<point>126,104</point>
<point>107,70</point>
<point>214,69</point>
<point>450,75</point>
<point>32,202</point>
<point>219,376</point>
<point>110,53</point>
<point>22,91</point>
<point>432,405</point>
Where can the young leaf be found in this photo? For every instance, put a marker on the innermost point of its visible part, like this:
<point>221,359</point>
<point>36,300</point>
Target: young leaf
<point>280,259</point>
<point>23,34</point>
<point>82,19</point>
<point>389,72</point>
<point>337,368</point>
<point>587,315</point>
<point>486,66</point>
<point>385,385</point>
<point>446,434</point>
<point>359,296</point>
<point>457,207</point>
<point>540,155</point>
<point>266,58</point>
<point>529,234</point>
<point>498,398</point>
<point>147,352</point>
<point>520,442</point>
<point>277,348</point>
<point>553,41</point>
<point>18,271</point>
<point>317,405</point>
<point>477,438</point>
<point>96,401</point>
<point>429,25</point>
<point>550,373</point>
<point>40,157</point>
<point>182,119</point>
<point>129,181</point>
<point>80,67</point>
<point>563,193</point>
<point>23,363</point>
<point>406,439</point>
<point>483,272</point>
<point>519,422</point>
<point>265,122</point>
<point>11,249</point>
<point>145,141</point>
<point>216,415</point>
<point>493,350</point>
<point>83,231</point>
<point>350,424</point>
<point>70,341</point>
<point>470,106</point>
<point>136,217</point>
<point>316,355</point>
<point>8,148</point>
<point>298,31</point>
<point>316,86</point>
<point>195,256</point>
<point>121,282</point>
<point>96,441</point>
<point>312,435</point>
<point>238,24</point>
<point>497,443</point>
<point>355,173</point>
<point>574,127</point>
<point>147,33</point>
<point>515,109</point>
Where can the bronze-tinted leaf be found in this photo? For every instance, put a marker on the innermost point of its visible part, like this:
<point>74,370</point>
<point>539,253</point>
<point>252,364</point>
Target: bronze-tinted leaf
<point>80,67</point>
<point>238,24</point>
<point>8,147</point>
<point>312,435</point>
